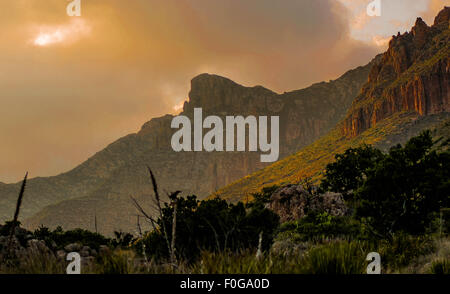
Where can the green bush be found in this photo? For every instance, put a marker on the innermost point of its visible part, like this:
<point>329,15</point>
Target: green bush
<point>398,191</point>
<point>321,226</point>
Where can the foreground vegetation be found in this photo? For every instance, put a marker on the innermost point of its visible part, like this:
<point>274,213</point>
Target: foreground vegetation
<point>398,206</point>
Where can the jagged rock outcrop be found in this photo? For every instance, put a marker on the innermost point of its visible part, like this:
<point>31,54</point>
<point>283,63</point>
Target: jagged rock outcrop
<point>413,75</point>
<point>294,202</point>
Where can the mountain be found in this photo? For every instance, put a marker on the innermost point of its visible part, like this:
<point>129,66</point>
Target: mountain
<point>413,75</point>
<point>407,91</point>
<point>101,187</point>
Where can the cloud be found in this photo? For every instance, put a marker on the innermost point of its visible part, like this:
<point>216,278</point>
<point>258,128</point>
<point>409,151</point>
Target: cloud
<point>66,34</point>
<point>434,6</point>
<point>396,16</point>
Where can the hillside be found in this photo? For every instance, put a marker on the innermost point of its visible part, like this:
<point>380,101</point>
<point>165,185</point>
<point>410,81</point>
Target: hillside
<point>407,91</point>
<point>311,161</point>
<point>102,185</point>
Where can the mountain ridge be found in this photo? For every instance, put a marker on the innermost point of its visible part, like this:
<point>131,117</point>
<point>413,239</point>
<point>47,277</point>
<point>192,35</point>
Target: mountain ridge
<point>119,170</point>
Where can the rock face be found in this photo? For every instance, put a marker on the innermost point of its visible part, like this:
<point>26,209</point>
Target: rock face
<point>101,187</point>
<point>293,202</point>
<point>407,92</point>
<point>413,75</point>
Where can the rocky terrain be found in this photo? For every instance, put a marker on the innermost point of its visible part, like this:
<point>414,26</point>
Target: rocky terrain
<point>293,202</point>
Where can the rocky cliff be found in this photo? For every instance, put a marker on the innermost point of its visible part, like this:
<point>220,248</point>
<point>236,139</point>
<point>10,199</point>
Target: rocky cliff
<point>413,75</point>
<point>102,185</point>
<point>407,91</point>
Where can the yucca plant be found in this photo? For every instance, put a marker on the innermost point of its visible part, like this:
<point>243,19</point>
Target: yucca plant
<point>16,216</point>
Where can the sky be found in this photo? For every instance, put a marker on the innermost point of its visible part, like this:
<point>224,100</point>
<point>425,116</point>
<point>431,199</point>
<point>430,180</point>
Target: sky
<point>69,86</point>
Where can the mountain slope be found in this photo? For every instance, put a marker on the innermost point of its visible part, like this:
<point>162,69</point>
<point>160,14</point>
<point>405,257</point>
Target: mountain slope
<point>311,161</point>
<point>407,91</point>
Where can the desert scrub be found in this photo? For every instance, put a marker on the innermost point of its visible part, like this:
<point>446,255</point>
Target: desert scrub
<point>118,262</point>
<point>321,226</point>
<point>245,262</point>
<point>404,249</point>
<point>336,258</point>
<point>33,262</point>
<point>440,267</point>
<point>435,262</point>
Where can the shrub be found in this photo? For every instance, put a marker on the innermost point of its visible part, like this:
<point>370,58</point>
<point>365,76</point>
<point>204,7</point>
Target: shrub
<point>122,240</point>
<point>402,249</point>
<point>440,267</point>
<point>119,262</point>
<point>320,226</point>
<point>59,238</point>
<point>398,191</point>
<point>245,262</point>
<point>336,258</point>
<point>211,225</point>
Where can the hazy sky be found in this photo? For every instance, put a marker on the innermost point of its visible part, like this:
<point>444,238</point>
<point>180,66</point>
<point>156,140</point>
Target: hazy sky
<point>69,86</point>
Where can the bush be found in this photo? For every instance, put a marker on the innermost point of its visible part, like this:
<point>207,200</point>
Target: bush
<point>321,226</point>
<point>20,233</point>
<point>402,249</point>
<point>119,262</point>
<point>34,264</point>
<point>211,225</point>
<point>58,238</point>
<point>262,198</point>
<point>122,240</point>
<point>245,262</point>
<point>336,258</point>
<point>398,191</point>
<point>441,267</point>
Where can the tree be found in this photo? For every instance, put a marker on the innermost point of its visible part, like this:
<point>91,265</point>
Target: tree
<point>349,171</point>
<point>212,225</point>
<point>405,189</point>
<point>398,191</point>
